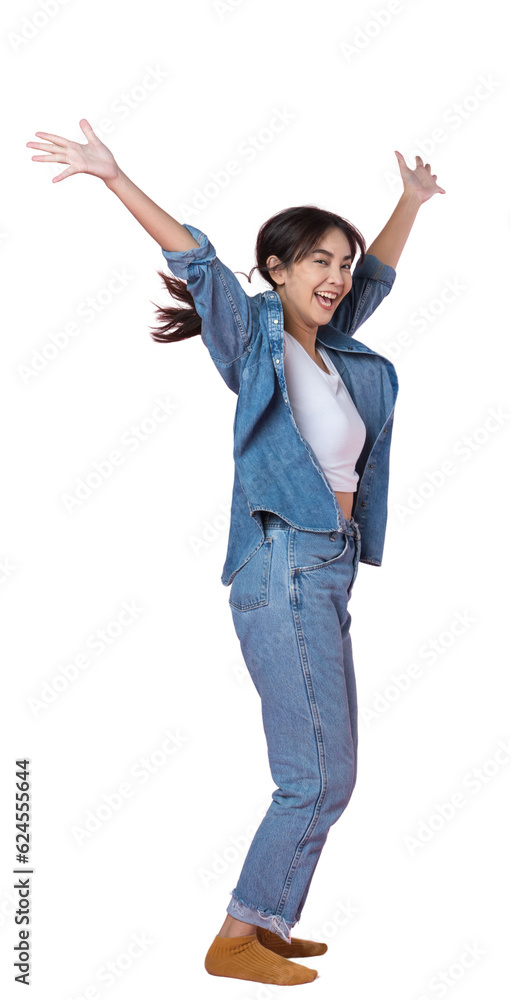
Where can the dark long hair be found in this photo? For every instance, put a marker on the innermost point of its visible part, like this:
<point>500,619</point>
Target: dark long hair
<point>289,235</point>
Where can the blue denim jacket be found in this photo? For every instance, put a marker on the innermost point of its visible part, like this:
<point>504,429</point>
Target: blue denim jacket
<point>275,468</point>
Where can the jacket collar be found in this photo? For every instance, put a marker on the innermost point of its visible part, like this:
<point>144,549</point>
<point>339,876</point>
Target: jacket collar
<point>326,335</point>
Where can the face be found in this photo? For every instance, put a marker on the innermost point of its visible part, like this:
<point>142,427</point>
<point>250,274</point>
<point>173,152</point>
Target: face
<point>327,268</point>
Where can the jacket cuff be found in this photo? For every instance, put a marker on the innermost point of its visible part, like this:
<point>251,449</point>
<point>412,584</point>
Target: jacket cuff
<point>373,268</point>
<point>180,260</point>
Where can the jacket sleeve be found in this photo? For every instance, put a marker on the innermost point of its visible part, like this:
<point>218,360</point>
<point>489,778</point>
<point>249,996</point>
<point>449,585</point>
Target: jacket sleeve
<point>221,302</point>
<point>372,281</point>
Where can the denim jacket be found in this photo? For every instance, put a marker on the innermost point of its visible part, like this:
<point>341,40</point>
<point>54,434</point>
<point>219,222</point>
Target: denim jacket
<point>275,468</point>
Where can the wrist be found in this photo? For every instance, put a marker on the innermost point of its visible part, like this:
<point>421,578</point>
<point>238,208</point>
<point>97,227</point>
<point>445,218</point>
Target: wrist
<point>113,182</point>
<point>412,197</point>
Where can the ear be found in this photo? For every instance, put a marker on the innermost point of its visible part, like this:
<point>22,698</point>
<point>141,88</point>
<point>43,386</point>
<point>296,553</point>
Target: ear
<point>277,269</point>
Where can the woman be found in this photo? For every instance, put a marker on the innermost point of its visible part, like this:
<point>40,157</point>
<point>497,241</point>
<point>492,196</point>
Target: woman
<point>311,447</point>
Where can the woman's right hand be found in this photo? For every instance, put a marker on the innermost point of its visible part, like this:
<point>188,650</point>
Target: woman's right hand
<point>92,157</point>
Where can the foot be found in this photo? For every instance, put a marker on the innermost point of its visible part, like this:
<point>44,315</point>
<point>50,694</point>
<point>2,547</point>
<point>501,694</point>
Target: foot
<point>299,947</point>
<point>244,957</point>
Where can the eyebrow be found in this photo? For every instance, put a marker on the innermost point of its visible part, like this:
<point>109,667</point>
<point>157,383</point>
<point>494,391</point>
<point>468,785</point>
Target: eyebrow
<point>348,256</point>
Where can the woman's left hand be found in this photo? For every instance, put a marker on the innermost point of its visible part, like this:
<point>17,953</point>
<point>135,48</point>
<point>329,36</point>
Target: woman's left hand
<point>420,181</point>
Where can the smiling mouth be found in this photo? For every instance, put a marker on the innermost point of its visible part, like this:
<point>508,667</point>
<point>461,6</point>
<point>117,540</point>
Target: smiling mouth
<point>326,303</point>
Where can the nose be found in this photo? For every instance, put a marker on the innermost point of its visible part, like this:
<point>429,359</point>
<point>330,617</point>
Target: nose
<point>336,284</point>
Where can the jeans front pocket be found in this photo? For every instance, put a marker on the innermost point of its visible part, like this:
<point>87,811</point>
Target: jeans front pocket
<point>314,549</point>
<point>250,587</point>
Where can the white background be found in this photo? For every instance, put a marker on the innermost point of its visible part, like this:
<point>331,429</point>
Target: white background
<point>162,864</point>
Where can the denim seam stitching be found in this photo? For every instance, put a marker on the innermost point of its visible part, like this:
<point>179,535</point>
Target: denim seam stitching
<point>239,322</point>
<point>327,562</point>
<point>298,527</point>
<point>317,729</point>
<point>263,599</point>
<point>365,294</point>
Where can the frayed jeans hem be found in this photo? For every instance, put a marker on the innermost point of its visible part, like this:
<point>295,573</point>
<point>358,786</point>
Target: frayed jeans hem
<point>251,915</point>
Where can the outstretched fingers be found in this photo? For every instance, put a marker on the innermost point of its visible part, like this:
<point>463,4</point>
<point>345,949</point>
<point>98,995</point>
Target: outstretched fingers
<point>57,139</point>
<point>51,149</point>
<point>51,158</point>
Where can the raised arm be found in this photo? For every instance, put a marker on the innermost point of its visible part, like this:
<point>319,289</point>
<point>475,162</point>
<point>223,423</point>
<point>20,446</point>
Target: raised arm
<point>419,185</point>
<point>168,232</point>
<point>94,158</point>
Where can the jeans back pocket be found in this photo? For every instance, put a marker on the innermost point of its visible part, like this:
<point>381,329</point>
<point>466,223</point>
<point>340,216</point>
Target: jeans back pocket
<point>250,587</point>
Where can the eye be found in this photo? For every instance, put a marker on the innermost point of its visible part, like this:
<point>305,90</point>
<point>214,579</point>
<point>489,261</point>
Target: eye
<point>321,261</point>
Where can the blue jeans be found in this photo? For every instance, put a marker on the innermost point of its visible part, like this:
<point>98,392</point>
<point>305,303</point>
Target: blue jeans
<point>289,604</point>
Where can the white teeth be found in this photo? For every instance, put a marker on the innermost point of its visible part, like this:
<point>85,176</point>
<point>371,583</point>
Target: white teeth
<point>327,295</point>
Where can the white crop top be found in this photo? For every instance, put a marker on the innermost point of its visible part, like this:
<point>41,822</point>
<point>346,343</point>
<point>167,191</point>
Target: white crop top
<point>325,413</point>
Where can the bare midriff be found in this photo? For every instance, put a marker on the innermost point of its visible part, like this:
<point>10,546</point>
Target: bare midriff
<point>345,501</point>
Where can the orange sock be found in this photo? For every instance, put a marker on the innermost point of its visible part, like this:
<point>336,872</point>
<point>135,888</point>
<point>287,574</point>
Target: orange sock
<point>299,947</point>
<point>245,957</point>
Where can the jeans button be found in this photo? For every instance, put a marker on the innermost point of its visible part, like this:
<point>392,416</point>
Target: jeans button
<point>332,536</point>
